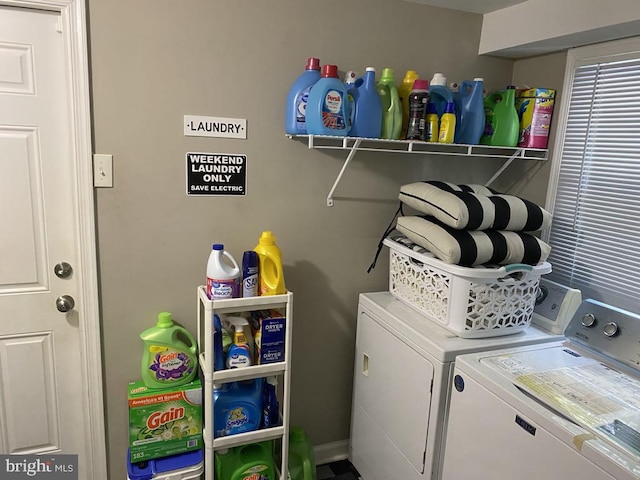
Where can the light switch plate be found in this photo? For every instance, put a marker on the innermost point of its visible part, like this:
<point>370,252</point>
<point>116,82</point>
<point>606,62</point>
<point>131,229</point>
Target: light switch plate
<point>102,170</point>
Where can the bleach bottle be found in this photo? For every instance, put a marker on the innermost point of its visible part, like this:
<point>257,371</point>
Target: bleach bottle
<point>295,115</point>
<point>167,360</point>
<point>271,273</point>
<point>327,105</point>
<point>223,276</point>
<point>470,111</point>
<point>367,107</point>
<point>391,105</point>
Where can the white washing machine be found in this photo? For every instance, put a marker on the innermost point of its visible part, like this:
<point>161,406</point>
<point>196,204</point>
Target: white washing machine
<point>561,410</point>
<point>402,374</point>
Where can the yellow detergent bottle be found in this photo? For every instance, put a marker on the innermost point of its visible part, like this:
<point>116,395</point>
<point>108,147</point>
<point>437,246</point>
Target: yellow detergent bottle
<point>168,360</point>
<point>270,274</point>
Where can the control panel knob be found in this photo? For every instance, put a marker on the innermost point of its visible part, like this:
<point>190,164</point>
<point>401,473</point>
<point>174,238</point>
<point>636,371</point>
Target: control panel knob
<point>611,329</point>
<point>589,320</point>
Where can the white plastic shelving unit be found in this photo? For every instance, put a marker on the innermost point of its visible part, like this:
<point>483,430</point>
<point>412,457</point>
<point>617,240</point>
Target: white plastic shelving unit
<point>206,310</point>
<point>353,145</point>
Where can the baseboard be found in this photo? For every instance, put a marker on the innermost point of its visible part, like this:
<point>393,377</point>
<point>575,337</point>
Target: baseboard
<point>331,452</point>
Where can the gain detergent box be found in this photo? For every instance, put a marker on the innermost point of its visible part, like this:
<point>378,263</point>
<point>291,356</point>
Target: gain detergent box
<point>165,421</point>
<point>535,109</point>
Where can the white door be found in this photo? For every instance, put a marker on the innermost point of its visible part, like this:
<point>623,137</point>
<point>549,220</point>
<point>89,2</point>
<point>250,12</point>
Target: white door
<point>43,398</point>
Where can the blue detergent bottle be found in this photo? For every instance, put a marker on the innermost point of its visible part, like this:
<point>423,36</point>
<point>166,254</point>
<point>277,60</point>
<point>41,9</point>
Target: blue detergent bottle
<point>327,110</point>
<point>295,115</point>
<point>367,115</point>
<point>470,112</point>
<point>237,407</point>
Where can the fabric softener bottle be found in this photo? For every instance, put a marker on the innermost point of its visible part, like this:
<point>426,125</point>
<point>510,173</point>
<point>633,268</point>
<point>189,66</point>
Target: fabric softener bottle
<point>295,115</point>
<point>168,360</point>
<point>327,110</point>
<point>391,105</point>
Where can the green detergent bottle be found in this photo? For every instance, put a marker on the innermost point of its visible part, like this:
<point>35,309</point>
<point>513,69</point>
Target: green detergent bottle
<point>168,360</point>
<point>302,464</point>
<point>246,462</point>
<point>502,125</point>
<point>391,105</point>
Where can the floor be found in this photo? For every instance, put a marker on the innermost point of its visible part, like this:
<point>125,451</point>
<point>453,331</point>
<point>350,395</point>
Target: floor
<point>341,470</point>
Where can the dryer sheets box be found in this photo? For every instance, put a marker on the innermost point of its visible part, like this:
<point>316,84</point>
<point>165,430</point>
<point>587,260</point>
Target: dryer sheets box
<point>268,327</point>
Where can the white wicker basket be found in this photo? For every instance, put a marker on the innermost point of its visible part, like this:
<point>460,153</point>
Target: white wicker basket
<point>472,302</point>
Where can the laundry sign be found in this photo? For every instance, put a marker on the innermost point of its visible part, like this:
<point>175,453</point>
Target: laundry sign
<point>198,126</point>
<point>216,174</point>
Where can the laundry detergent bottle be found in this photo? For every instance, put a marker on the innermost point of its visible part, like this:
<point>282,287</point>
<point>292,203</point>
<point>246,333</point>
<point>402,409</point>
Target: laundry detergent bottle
<point>327,106</point>
<point>391,105</point>
<point>502,124</point>
<point>367,107</point>
<point>168,360</point>
<point>295,115</point>
<point>271,273</point>
<point>470,109</point>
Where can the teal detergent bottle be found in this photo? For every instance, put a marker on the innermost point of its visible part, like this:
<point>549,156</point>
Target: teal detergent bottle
<point>327,105</point>
<point>391,105</point>
<point>168,360</point>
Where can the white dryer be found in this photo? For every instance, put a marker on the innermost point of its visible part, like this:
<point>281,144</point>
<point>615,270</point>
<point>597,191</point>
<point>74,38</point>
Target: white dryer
<point>402,375</point>
<point>562,410</point>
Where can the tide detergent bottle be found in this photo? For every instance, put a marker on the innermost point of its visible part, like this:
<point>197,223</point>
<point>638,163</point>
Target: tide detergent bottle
<point>391,105</point>
<point>167,359</point>
<point>271,273</point>
<point>295,115</point>
<point>327,110</point>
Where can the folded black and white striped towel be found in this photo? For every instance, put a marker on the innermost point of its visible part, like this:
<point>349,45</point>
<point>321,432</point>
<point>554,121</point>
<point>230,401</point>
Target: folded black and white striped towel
<point>473,247</point>
<point>474,207</point>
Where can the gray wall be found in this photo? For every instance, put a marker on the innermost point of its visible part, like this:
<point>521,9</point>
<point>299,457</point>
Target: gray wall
<point>153,62</point>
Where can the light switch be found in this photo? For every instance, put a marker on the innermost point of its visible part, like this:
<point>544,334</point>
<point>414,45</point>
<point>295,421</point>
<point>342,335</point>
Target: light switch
<point>102,170</point>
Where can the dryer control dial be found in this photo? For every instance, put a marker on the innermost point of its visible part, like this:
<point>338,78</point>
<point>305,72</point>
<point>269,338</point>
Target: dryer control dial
<point>611,329</point>
<point>589,320</point>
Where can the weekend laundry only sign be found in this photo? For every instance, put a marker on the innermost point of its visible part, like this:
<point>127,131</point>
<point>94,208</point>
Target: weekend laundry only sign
<point>216,174</point>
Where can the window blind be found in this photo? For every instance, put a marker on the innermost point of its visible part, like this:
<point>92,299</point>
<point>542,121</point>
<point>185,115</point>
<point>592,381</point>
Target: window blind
<point>595,234</point>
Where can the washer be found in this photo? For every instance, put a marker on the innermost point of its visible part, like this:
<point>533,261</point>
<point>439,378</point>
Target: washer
<point>561,410</point>
<point>402,375</point>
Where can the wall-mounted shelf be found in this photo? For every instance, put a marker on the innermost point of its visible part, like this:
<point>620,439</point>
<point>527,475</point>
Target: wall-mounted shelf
<point>353,144</point>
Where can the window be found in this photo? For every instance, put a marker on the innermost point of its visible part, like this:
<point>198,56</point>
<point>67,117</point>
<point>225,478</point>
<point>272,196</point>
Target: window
<point>595,183</point>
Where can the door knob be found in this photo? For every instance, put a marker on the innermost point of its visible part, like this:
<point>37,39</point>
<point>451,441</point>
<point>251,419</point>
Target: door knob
<point>64,303</point>
<point>63,270</point>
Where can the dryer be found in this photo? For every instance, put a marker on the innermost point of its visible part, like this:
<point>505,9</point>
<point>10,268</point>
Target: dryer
<point>402,375</point>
